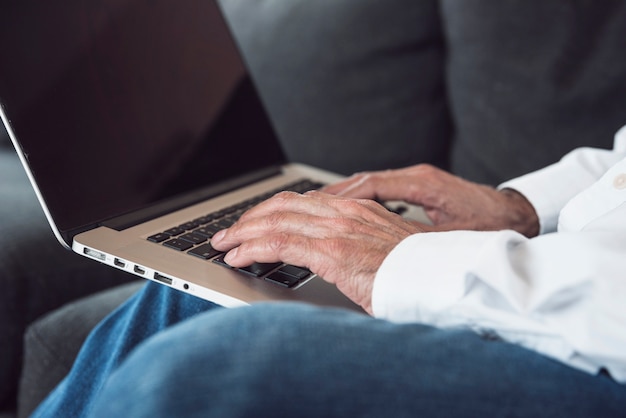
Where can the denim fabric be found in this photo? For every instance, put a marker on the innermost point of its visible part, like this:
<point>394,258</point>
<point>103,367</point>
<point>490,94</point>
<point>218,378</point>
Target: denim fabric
<point>149,311</point>
<point>299,360</point>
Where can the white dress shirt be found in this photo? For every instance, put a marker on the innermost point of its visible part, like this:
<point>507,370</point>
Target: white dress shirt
<point>562,294</point>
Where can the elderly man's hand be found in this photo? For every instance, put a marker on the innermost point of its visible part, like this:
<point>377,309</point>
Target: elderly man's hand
<point>341,239</point>
<point>449,201</point>
<point>343,235</point>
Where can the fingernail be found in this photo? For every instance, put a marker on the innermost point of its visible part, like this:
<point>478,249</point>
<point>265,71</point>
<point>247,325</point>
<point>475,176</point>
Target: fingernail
<point>231,255</point>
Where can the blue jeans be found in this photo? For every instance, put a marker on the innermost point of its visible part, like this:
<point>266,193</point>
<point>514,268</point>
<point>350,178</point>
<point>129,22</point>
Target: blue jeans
<point>299,360</point>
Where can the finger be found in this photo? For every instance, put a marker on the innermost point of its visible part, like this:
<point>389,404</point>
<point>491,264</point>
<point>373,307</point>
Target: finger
<point>290,202</point>
<point>281,247</point>
<point>368,211</point>
<point>314,203</point>
<point>380,185</point>
<point>341,214</point>
<point>339,187</point>
<point>358,219</point>
<point>273,223</point>
<point>362,210</point>
<point>362,186</point>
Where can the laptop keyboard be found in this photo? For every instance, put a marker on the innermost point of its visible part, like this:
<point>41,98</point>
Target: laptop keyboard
<point>194,238</point>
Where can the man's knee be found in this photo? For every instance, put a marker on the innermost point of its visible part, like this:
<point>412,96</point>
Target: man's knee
<point>249,357</point>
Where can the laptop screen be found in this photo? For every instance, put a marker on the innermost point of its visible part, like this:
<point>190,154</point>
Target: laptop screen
<point>120,104</point>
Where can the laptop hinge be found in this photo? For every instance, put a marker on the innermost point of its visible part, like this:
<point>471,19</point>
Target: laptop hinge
<point>128,220</point>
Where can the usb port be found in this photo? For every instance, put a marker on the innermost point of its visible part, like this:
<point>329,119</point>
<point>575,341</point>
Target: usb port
<point>95,254</point>
<point>161,278</point>
<point>119,263</point>
<point>139,270</point>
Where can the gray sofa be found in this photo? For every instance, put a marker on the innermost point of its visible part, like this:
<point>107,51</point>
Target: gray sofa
<point>489,90</point>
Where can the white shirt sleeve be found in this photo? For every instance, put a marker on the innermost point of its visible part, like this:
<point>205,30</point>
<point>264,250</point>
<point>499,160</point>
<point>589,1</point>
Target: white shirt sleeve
<point>561,294</point>
<point>550,188</point>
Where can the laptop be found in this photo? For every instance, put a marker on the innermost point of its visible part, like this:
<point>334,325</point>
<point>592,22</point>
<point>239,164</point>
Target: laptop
<point>142,134</point>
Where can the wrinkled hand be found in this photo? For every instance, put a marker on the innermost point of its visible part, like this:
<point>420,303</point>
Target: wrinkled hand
<point>342,240</point>
<point>449,201</point>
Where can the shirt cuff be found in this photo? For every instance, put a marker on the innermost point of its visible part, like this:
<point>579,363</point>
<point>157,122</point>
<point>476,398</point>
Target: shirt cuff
<point>425,274</point>
<point>544,195</point>
<point>552,187</point>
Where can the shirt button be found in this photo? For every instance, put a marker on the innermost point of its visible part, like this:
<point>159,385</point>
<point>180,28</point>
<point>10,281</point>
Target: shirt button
<point>619,182</point>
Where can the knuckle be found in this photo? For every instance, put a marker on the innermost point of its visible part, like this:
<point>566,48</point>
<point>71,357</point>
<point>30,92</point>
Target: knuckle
<point>425,169</point>
<point>285,196</point>
<point>343,224</point>
<point>277,242</point>
<point>358,207</point>
<point>274,220</point>
<point>278,201</point>
<point>352,205</point>
<point>368,203</point>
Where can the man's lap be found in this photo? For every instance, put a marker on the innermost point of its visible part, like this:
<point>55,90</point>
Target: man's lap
<point>288,358</point>
<point>150,310</point>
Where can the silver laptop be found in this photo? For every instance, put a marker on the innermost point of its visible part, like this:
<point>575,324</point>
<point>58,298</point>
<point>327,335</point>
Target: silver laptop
<point>142,134</point>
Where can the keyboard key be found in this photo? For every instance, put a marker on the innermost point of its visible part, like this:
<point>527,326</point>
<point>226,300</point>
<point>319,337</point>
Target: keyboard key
<point>237,214</point>
<point>299,273</point>
<point>175,231</point>
<point>256,269</point>
<point>219,214</point>
<point>188,226</point>
<point>204,219</point>
<point>259,269</point>
<point>220,260</point>
<point>208,230</point>
<point>193,238</point>
<point>178,244</point>
<point>204,251</point>
<point>282,279</point>
<point>230,209</point>
<point>160,237</point>
<point>196,232</point>
<point>224,223</point>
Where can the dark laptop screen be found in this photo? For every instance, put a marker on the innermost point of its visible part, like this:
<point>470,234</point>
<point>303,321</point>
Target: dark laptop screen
<point>121,103</point>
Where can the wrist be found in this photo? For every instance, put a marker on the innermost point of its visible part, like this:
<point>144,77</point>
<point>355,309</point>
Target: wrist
<point>522,215</point>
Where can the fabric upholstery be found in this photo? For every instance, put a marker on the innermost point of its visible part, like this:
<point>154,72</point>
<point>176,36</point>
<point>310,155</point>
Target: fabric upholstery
<point>351,85</point>
<point>530,81</point>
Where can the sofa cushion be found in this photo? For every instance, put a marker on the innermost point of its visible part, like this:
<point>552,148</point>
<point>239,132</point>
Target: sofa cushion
<point>531,80</point>
<point>352,84</point>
